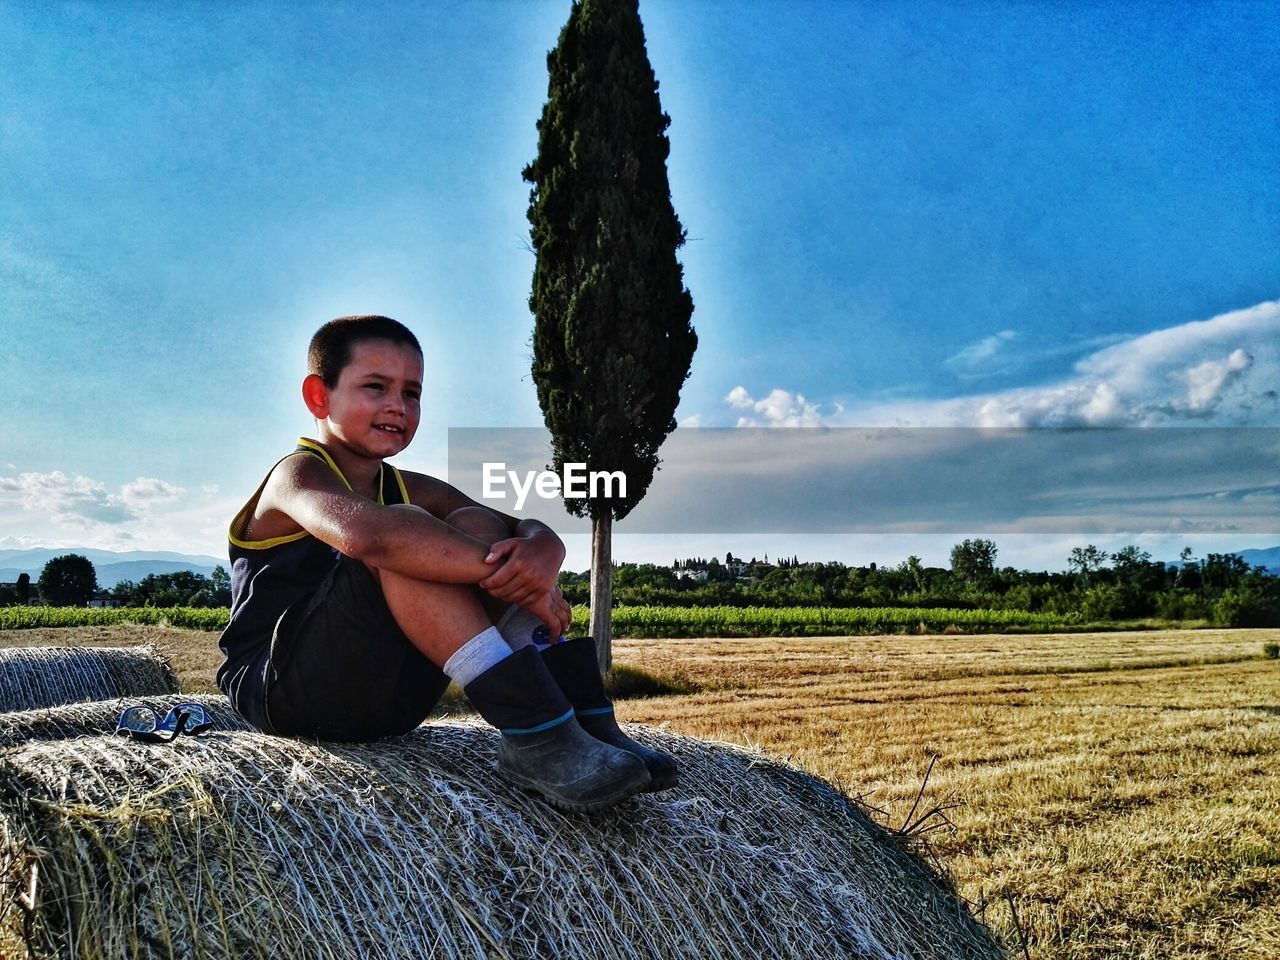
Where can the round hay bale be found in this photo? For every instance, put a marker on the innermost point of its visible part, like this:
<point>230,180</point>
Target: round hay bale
<point>101,716</point>
<point>242,845</point>
<point>35,677</point>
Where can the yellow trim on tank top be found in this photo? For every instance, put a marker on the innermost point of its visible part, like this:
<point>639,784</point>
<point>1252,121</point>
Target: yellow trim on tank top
<point>309,446</point>
<point>404,491</point>
<point>265,544</point>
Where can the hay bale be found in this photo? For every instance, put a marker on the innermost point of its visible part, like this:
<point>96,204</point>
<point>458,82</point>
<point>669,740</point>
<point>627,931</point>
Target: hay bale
<point>35,677</point>
<point>240,845</point>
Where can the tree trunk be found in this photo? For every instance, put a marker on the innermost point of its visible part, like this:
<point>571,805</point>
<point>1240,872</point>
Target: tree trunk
<point>602,587</point>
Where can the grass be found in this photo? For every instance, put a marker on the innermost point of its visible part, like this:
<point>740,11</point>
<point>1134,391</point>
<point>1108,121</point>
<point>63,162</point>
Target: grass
<point>1120,792</point>
<point>1123,791</point>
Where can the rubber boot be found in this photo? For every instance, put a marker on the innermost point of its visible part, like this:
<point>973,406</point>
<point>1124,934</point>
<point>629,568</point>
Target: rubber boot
<point>543,747</point>
<point>576,670</point>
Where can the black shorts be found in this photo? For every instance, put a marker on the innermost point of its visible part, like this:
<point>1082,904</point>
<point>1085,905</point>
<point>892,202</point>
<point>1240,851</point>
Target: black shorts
<point>341,668</point>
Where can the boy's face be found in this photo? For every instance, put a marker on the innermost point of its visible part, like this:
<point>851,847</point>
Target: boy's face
<point>375,407</point>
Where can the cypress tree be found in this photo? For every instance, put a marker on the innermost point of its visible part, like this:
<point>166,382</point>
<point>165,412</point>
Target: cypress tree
<point>612,339</point>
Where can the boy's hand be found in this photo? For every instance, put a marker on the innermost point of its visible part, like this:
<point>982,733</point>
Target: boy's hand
<point>554,611</point>
<point>526,570</point>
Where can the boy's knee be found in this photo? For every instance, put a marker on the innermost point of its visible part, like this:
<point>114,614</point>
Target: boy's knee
<point>479,523</point>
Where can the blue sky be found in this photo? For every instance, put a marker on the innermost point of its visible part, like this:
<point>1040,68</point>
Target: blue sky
<point>988,214</point>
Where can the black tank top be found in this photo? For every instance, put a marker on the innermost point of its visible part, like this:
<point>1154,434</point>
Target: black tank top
<point>269,576</point>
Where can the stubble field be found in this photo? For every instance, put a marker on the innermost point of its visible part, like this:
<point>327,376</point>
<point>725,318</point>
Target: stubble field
<point>1119,794</point>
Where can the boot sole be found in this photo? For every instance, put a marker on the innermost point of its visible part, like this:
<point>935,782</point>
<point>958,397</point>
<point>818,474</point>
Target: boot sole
<point>624,792</point>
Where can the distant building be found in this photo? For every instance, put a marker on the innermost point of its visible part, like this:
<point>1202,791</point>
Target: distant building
<point>33,594</point>
<point>691,574</point>
<point>102,599</point>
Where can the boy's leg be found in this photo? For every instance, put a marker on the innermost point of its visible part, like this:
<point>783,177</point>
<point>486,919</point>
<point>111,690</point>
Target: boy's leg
<point>440,618</point>
<point>340,667</point>
<point>517,625</point>
<point>363,657</point>
<point>572,664</point>
<point>542,746</point>
<point>576,670</point>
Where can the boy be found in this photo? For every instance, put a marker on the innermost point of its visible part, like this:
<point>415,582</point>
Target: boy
<point>359,591</point>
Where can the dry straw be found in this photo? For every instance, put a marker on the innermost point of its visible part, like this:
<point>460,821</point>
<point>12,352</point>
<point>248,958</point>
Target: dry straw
<point>34,677</point>
<point>241,845</point>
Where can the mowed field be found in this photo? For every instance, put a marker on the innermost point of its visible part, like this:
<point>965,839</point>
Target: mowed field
<point>1119,793</point>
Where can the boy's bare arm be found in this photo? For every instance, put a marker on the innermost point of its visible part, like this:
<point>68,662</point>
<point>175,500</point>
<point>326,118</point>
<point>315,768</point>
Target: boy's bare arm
<point>527,563</point>
<point>306,492</point>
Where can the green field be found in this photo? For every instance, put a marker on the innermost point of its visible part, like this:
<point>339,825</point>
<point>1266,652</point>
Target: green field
<point>194,618</point>
<point>658,622</point>
<point>627,621</point>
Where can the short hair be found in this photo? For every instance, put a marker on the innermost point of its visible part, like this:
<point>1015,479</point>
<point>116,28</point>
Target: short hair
<point>333,343</point>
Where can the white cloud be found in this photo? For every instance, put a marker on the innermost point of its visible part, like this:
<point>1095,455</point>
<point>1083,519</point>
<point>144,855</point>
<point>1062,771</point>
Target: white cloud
<point>146,492</point>
<point>77,502</point>
<point>977,358</point>
<point>1222,371</point>
<point>65,498</point>
<point>779,409</point>
<point>55,504</point>
<point>1206,382</point>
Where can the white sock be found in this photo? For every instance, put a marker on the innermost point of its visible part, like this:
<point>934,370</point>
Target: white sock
<point>520,629</point>
<point>486,649</point>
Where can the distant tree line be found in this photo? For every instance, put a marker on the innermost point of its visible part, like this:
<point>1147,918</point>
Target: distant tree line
<point>71,581</point>
<point>183,588</point>
<point>1097,586</point>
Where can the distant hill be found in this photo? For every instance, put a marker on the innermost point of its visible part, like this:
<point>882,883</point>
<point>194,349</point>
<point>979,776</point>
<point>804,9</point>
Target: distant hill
<point>112,566</point>
<point>1268,557</point>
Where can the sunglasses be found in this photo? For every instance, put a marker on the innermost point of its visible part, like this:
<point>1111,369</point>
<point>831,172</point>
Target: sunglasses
<point>141,722</point>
